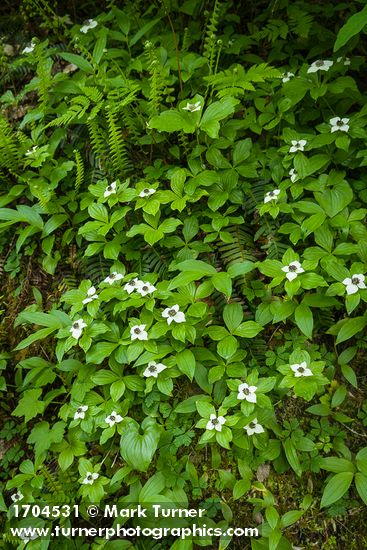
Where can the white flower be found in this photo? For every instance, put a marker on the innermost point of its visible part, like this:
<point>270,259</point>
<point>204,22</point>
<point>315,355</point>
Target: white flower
<point>301,369</point>
<point>113,277</point>
<point>254,428</point>
<point>110,189</point>
<point>320,65</point>
<point>145,288</point>
<point>292,270</point>
<point>113,419</point>
<point>339,124</point>
<point>346,60</point>
<point>153,369</point>
<point>90,478</point>
<point>354,283</point>
<point>138,332</point>
<point>247,392</point>
<point>77,328</point>
<point>297,145</point>
<point>271,195</point>
<point>287,77</point>
<point>17,496</point>
<point>91,295</point>
<point>80,412</point>
<point>132,285</point>
<point>27,537</point>
<point>192,107</point>
<point>29,49</point>
<point>215,423</point>
<point>293,175</point>
<point>88,24</point>
<point>173,313</point>
<point>147,192</point>
<point>32,150</point>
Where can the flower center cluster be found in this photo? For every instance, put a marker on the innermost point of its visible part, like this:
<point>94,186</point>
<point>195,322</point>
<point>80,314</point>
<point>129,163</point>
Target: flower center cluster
<point>172,312</point>
<point>246,391</point>
<point>112,276</point>
<point>292,267</point>
<point>137,330</point>
<point>112,417</point>
<point>79,410</point>
<point>152,368</point>
<point>355,280</point>
<point>75,325</point>
<point>252,425</point>
<point>319,63</point>
<point>89,476</point>
<point>301,369</point>
<point>215,421</point>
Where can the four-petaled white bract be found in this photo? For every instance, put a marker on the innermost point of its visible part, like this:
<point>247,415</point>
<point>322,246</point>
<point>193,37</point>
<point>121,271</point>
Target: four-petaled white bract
<point>112,277</point>
<point>293,175</point>
<point>17,496</point>
<point>301,369</point>
<point>153,369</point>
<point>287,76</point>
<point>113,419</point>
<point>320,65</point>
<point>145,288</point>
<point>271,195</point>
<point>32,150</point>
<point>192,107</point>
<point>254,427</point>
<point>354,283</point>
<point>80,412</point>
<point>77,328</point>
<point>292,270</point>
<point>29,49</point>
<point>173,313</point>
<point>90,478</point>
<point>110,189</point>
<point>215,423</point>
<point>339,124</point>
<point>88,24</point>
<point>138,332</point>
<point>132,285</point>
<point>247,392</point>
<point>297,145</point>
<point>147,192</point>
<point>91,295</point>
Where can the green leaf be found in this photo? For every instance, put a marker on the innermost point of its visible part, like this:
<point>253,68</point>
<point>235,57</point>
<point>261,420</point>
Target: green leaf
<point>138,449</point>
<point>304,319</point>
<point>77,60</point>
<point>232,315</point>
<point>336,488</point>
<point>336,465</point>
<point>248,329</point>
<point>39,335</point>
<point>227,347</point>
<point>350,328</point>
<point>172,121</point>
<point>223,283</point>
<point>361,486</point>
<point>97,353</point>
<point>215,112</point>
<point>353,26</point>
<point>198,267</point>
<point>186,363</point>
<point>292,457</point>
<point>29,405</point>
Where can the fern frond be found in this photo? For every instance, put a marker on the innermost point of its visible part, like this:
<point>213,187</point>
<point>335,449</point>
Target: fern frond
<point>116,143</point>
<point>79,170</point>
<point>236,81</point>
<point>9,147</point>
<point>210,40</point>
